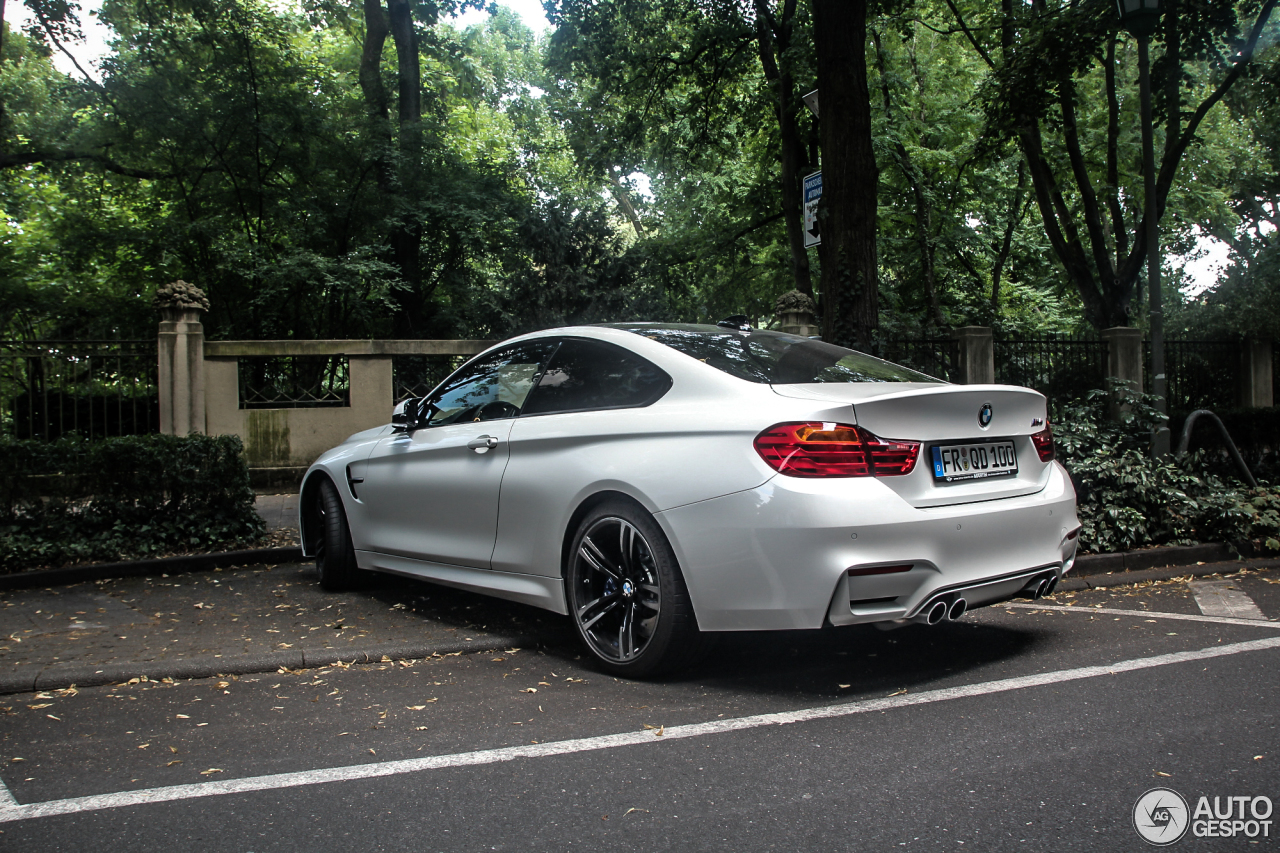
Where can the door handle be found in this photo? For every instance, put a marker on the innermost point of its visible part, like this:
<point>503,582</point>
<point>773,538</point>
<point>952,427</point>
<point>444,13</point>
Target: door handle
<point>483,444</point>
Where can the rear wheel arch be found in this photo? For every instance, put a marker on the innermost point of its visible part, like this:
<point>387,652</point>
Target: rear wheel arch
<point>575,520</point>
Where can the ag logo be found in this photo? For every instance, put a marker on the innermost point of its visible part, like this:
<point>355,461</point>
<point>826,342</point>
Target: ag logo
<point>984,415</point>
<point>1161,817</point>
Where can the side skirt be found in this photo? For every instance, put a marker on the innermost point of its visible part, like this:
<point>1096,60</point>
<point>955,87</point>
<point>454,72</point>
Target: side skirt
<point>547,593</point>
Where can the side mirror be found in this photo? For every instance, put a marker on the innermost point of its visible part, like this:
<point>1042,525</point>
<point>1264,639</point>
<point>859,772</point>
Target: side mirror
<point>408,414</point>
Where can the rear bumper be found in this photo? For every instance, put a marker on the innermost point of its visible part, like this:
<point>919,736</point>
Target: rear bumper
<point>778,556</point>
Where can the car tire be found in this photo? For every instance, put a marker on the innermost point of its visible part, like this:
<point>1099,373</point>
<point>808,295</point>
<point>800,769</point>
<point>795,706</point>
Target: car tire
<point>336,567</point>
<point>626,595</point>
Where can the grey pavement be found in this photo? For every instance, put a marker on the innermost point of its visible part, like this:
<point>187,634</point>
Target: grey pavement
<point>280,512</point>
<point>1014,729</point>
<point>251,619</point>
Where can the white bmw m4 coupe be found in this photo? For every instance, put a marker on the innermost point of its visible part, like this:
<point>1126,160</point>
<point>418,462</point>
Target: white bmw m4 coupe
<point>659,482</point>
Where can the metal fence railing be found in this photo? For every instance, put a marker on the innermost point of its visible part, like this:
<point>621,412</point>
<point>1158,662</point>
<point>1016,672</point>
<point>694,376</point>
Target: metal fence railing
<point>1062,367</point>
<point>416,375</point>
<point>938,357</point>
<point>1201,374</point>
<point>93,388</point>
<point>294,381</point>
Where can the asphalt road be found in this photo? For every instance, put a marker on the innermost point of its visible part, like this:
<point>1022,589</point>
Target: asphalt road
<point>1014,729</point>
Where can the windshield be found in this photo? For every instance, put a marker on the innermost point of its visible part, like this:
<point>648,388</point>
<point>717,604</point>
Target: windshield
<point>774,358</point>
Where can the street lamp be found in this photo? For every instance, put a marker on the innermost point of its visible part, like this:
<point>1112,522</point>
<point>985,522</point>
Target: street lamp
<point>1140,18</point>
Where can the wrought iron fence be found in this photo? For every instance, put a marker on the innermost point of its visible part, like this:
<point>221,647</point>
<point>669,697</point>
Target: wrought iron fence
<point>93,388</point>
<point>417,375</point>
<point>1201,374</point>
<point>294,382</point>
<point>1062,367</point>
<point>938,357</point>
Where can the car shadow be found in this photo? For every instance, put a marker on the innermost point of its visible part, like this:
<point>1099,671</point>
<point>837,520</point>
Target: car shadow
<point>826,663</point>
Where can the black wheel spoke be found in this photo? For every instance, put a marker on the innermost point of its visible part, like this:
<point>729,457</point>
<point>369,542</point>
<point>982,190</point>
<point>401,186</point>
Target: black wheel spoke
<point>596,558</point>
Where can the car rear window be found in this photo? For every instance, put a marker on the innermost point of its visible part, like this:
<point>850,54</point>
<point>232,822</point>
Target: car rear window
<point>585,375</point>
<point>774,358</point>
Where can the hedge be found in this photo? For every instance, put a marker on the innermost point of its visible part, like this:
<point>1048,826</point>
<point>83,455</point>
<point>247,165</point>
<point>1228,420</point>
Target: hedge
<point>1127,500</point>
<point>73,500</point>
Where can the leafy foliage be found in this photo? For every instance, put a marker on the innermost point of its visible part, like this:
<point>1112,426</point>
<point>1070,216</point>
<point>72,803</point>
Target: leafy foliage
<point>1127,500</point>
<point>71,500</point>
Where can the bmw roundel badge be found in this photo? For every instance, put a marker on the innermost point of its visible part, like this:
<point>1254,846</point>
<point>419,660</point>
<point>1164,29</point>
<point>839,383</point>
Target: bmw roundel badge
<point>984,415</point>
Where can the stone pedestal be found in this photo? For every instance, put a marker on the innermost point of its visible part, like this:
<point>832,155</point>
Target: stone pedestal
<point>181,348</point>
<point>977,355</point>
<point>1124,354</point>
<point>1257,389</point>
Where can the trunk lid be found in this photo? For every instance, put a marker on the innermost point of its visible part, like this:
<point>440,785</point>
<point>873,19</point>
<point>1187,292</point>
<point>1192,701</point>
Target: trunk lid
<point>941,414</point>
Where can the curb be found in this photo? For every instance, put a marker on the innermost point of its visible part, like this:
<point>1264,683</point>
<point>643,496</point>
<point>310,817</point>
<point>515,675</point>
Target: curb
<point>1101,581</point>
<point>1086,564</point>
<point>1152,558</point>
<point>58,676</point>
<point>164,565</point>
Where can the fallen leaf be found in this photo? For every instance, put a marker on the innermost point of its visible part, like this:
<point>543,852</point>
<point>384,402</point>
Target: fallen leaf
<point>43,705</point>
<point>415,707</point>
<point>210,771</point>
<point>899,692</point>
<point>629,811</point>
<point>1162,773</point>
<point>529,690</point>
<point>143,745</point>
<point>1257,758</point>
<point>371,752</point>
<point>420,728</point>
<point>52,717</point>
<point>182,717</point>
<point>173,749</point>
<point>844,686</point>
<point>175,761</point>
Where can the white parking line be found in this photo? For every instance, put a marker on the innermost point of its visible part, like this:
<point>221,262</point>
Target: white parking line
<point>1150,614</point>
<point>1224,598</point>
<point>10,810</point>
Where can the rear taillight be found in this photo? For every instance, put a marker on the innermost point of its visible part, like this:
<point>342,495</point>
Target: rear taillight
<point>1043,440</point>
<point>834,450</point>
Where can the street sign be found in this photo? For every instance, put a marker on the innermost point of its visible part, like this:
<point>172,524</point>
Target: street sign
<point>812,193</point>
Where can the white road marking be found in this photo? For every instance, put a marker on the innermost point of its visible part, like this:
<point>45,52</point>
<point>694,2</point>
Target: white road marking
<point>10,810</point>
<point>1150,614</point>
<point>1224,598</point>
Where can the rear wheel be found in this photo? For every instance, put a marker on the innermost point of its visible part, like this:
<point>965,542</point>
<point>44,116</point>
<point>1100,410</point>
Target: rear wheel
<point>336,567</point>
<point>626,594</point>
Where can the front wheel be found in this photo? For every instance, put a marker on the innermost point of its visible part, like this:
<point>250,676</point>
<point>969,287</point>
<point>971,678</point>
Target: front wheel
<point>336,567</point>
<point>626,594</point>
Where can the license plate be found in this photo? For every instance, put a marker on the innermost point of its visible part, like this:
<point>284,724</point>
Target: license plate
<point>953,463</point>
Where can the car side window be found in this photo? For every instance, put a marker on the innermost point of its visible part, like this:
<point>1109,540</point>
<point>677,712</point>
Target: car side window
<point>491,388</point>
<point>585,375</point>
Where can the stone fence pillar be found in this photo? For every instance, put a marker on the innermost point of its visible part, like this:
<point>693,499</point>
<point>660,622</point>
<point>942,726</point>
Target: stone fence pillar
<point>796,314</point>
<point>977,355</point>
<point>181,350</point>
<point>1124,354</point>
<point>1256,390</point>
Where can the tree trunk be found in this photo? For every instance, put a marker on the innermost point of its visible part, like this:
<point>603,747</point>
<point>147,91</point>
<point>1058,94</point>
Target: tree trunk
<point>773,39</point>
<point>850,284</point>
<point>406,234</point>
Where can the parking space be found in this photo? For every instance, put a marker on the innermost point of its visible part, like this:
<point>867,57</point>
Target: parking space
<point>1102,690</point>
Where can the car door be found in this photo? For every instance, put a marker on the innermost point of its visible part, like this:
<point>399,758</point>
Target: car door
<point>589,419</point>
<point>430,491</point>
